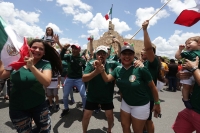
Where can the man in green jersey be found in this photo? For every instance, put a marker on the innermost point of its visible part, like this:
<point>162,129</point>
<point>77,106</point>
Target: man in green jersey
<point>152,62</point>
<point>76,64</point>
<point>99,92</point>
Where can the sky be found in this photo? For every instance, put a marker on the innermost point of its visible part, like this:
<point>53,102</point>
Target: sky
<point>75,20</point>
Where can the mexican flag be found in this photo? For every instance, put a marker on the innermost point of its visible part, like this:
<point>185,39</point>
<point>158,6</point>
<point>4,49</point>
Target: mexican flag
<point>109,13</point>
<point>189,17</point>
<point>13,47</point>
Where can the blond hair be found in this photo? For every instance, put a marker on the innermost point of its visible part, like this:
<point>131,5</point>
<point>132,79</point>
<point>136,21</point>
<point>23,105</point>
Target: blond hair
<point>195,38</point>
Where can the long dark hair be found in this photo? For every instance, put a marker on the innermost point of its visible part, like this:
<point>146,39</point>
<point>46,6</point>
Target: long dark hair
<point>51,32</point>
<point>51,55</point>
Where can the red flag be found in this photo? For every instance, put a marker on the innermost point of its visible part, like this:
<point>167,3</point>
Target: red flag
<point>23,52</point>
<point>189,17</point>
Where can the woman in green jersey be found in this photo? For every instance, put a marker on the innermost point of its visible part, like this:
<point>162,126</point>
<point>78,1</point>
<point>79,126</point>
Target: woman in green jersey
<point>133,83</point>
<point>27,98</point>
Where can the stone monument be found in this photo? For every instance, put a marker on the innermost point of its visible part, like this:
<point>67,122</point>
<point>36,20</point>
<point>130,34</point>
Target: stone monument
<point>106,39</point>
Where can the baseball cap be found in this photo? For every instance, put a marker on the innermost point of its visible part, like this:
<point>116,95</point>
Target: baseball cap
<point>76,45</point>
<point>127,47</point>
<point>103,48</point>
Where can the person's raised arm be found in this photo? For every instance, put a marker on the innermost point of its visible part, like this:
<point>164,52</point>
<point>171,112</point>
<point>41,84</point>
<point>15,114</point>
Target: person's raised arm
<point>91,47</point>
<point>43,77</point>
<point>3,73</point>
<point>178,52</point>
<point>147,42</point>
<point>56,40</point>
<point>63,51</point>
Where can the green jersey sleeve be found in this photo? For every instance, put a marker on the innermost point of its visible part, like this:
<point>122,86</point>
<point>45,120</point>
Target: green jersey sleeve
<point>89,68</point>
<point>146,74</point>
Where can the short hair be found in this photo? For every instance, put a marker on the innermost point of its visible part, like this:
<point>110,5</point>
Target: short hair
<point>172,60</point>
<point>195,38</point>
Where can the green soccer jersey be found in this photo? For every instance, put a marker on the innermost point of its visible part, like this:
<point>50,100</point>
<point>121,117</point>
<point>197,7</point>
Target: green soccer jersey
<point>27,92</point>
<point>191,55</point>
<point>64,70</point>
<point>195,98</point>
<point>112,57</point>
<point>153,68</point>
<point>75,65</point>
<point>98,90</point>
<point>133,83</point>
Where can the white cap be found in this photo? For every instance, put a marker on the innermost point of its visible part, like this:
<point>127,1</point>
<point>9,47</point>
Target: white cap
<point>103,48</point>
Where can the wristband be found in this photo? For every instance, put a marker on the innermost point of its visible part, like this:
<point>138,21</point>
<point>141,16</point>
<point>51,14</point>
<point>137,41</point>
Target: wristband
<point>158,102</point>
<point>193,69</point>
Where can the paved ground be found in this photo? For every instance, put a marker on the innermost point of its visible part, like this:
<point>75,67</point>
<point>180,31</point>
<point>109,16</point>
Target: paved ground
<point>171,105</point>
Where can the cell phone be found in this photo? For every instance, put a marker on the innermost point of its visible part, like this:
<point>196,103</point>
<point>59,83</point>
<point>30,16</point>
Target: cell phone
<point>159,115</point>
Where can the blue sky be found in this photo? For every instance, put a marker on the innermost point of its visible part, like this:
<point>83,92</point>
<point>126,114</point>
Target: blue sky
<point>75,20</point>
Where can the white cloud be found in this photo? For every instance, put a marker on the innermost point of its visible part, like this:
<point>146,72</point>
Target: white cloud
<point>37,10</point>
<point>169,47</point>
<point>49,0</point>
<point>25,16</point>
<point>127,12</point>
<point>99,25</point>
<point>63,41</point>
<point>79,10</point>
<point>120,26</point>
<point>177,6</point>
<point>83,36</point>
<point>84,46</point>
<point>94,32</point>
<point>27,30</point>
<point>143,14</point>
<point>19,18</point>
<point>55,28</point>
<point>74,3</point>
<point>128,36</point>
<point>83,17</point>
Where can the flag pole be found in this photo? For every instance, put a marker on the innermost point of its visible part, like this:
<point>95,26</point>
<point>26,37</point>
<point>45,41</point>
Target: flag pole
<point>111,12</point>
<point>152,17</point>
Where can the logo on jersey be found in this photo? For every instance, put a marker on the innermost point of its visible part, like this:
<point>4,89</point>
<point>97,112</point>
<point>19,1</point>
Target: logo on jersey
<point>132,78</point>
<point>110,70</point>
<point>80,64</point>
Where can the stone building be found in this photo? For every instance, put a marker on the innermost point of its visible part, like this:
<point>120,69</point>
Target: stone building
<point>106,39</point>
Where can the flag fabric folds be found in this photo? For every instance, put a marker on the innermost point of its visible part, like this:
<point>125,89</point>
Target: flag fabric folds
<point>108,14</point>
<point>12,46</point>
<point>189,17</point>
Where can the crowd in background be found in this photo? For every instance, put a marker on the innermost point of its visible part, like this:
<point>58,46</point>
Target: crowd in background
<point>33,89</point>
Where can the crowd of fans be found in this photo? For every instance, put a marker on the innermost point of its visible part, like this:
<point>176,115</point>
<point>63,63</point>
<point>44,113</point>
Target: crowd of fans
<point>32,90</point>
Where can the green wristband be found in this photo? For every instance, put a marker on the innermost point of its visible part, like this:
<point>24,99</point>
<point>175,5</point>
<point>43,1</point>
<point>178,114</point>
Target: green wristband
<point>158,102</point>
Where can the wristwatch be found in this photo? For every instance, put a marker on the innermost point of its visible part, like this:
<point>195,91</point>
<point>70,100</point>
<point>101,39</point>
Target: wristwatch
<point>193,69</point>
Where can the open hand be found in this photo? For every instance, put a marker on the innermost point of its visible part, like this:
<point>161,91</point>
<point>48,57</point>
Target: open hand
<point>156,110</point>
